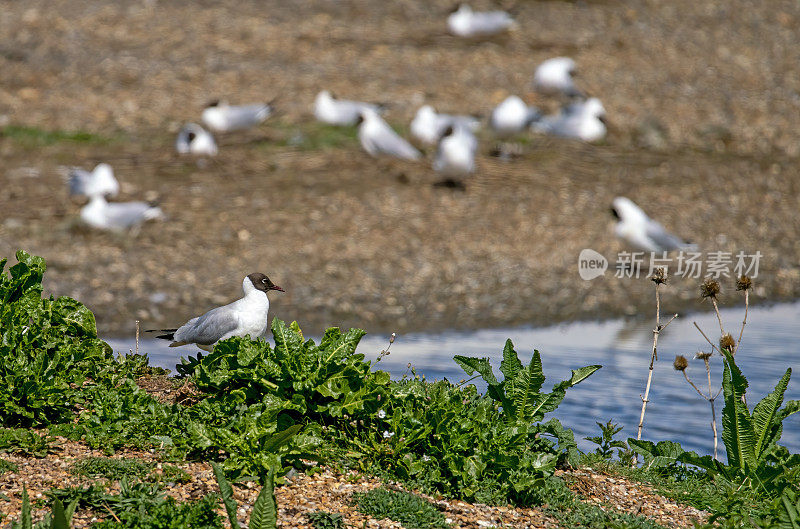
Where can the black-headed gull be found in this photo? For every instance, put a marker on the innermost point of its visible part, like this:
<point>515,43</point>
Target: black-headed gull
<point>245,316</point>
<point>219,116</point>
<point>194,139</point>
<point>334,111</point>
<point>100,181</point>
<point>554,76</point>
<point>584,120</point>
<point>377,137</point>
<point>640,231</point>
<point>512,115</point>
<point>455,156</point>
<point>117,216</point>
<point>464,22</point>
<point>428,126</point>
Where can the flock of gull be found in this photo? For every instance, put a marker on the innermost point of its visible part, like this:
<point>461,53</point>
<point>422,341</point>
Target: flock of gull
<point>454,136</point>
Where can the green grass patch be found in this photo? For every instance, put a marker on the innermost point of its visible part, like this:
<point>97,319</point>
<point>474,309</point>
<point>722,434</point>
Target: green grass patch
<point>409,509</point>
<point>37,137</point>
<point>128,468</point>
<point>326,520</point>
<point>7,466</point>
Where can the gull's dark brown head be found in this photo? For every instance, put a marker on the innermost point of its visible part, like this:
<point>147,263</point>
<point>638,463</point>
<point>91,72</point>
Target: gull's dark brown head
<point>262,282</point>
<point>615,213</point>
<point>213,103</point>
<point>360,119</point>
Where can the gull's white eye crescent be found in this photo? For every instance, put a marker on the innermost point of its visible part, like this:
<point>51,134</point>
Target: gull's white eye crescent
<point>264,281</point>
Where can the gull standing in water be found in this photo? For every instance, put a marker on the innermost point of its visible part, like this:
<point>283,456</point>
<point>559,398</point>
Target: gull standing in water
<point>554,77</point>
<point>334,111</point>
<point>222,117</point>
<point>464,22</point>
<point>194,139</point>
<point>377,137</point>
<point>117,216</point>
<point>640,231</point>
<point>245,316</point>
<point>100,181</point>
<point>428,126</point>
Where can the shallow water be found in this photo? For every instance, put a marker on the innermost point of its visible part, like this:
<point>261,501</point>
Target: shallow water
<point>622,347</point>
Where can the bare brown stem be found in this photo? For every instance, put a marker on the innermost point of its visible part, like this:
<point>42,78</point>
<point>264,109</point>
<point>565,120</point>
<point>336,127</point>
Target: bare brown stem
<point>714,347</point>
<point>744,321</point>
<point>714,425</point>
<point>137,337</point>
<point>719,318</point>
<point>692,384</point>
<point>653,358</point>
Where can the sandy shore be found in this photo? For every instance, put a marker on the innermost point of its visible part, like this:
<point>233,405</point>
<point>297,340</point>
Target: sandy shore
<point>702,137</point>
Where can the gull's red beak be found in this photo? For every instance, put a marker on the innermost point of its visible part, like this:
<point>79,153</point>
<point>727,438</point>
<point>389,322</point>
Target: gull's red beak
<point>276,287</point>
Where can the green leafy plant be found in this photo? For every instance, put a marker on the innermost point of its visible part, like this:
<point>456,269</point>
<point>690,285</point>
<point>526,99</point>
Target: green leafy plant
<point>755,460</point>
<point>326,520</point>
<point>409,509</point>
<point>58,518</point>
<point>127,468</point>
<point>605,441</point>
<point>661,455</point>
<point>48,347</point>
<point>520,392</point>
<point>24,441</point>
<point>265,508</point>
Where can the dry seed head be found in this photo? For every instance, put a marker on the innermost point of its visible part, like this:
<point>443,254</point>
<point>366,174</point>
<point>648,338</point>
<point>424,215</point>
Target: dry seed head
<point>727,343</point>
<point>744,283</point>
<point>709,288</point>
<point>681,363</point>
<point>659,276</point>
<point>702,355</point>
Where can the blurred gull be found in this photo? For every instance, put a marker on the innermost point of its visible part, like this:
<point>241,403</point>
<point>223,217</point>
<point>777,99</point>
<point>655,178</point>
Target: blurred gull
<point>428,126</point>
<point>245,316</point>
<point>455,156</point>
<point>465,22</point>
<point>222,117</point>
<point>640,231</point>
<point>554,76</point>
<point>339,111</point>
<point>584,120</point>
<point>100,181</point>
<point>512,116</point>
<point>117,216</point>
<point>195,139</point>
<point>377,137</point>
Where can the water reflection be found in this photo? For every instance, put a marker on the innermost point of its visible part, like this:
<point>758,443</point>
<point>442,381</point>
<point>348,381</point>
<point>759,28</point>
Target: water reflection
<point>622,347</point>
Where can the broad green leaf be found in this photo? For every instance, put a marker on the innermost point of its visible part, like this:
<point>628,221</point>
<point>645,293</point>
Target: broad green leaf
<point>737,427</point>
<point>765,413</point>
<point>282,438</point>
<point>25,516</point>
<point>471,364</point>
<point>59,517</point>
<point>227,495</point>
<point>525,387</point>
<point>511,364</point>
<point>265,508</point>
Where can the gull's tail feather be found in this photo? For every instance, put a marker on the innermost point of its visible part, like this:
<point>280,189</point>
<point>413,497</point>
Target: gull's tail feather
<point>169,336</point>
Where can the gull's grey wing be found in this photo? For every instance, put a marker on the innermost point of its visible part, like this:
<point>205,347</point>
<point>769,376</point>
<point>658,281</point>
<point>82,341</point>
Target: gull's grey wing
<point>491,22</point>
<point>78,181</point>
<point>386,140</point>
<point>662,238</point>
<point>208,328</point>
<point>244,116</point>
<point>127,214</point>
